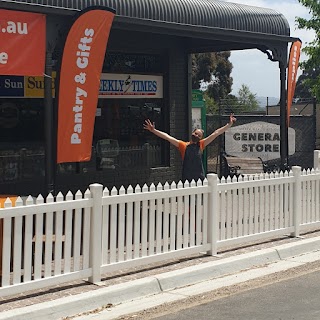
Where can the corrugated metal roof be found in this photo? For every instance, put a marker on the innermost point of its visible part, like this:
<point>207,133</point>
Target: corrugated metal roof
<point>206,13</point>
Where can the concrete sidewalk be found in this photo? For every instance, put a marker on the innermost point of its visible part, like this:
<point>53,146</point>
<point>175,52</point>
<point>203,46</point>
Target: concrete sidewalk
<point>218,287</point>
<point>166,285</point>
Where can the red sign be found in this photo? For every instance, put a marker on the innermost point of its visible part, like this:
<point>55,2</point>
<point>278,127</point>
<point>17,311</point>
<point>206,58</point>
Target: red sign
<point>22,43</point>
<point>292,74</point>
<point>78,92</point>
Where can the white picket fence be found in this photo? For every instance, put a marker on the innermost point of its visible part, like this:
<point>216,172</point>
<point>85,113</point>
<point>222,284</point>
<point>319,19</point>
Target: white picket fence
<point>89,235</point>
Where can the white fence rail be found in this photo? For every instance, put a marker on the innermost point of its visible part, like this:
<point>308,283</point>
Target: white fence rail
<point>86,236</point>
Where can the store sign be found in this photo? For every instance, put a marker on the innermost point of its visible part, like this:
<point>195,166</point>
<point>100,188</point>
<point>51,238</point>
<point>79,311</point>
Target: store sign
<point>12,86</point>
<point>130,86</point>
<point>196,118</point>
<point>23,41</point>
<point>197,95</point>
<point>24,87</point>
<point>257,139</point>
<point>34,86</point>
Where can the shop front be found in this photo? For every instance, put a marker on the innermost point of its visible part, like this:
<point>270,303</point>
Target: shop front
<point>131,91</point>
<point>146,74</point>
<point>22,138</point>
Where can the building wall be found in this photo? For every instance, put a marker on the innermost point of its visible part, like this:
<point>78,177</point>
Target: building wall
<point>176,103</point>
<point>177,116</point>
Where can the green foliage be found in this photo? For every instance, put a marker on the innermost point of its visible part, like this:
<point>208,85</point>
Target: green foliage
<point>245,102</point>
<point>214,68</point>
<point>311,78</point>
<point>211,106</point>
<point>229,105</point>
<point>304,83</point>
<point>221,83</point>
<point>203,66</point>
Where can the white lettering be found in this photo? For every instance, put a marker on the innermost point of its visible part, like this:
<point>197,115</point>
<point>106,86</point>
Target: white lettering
<point>82,61</point>
<point>75,139</point>
<point>80,93</point>
<point>4,58</point>
<point>77,109</point>
<point>13,27</point>
<point>84,50</point>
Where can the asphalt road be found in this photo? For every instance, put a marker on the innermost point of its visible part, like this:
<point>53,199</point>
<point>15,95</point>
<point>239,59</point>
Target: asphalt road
<point>297,298</point>
<point>285,289</point>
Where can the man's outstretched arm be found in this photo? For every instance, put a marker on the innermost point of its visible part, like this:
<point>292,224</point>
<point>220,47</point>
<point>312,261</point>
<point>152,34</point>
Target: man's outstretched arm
<point>219,131</point>
<point>148,125</point>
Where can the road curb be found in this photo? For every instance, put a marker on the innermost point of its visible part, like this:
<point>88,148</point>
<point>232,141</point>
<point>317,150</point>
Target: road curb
<point>128,291</point>
<point>63,307</point>
<point>215,269</point>
<point>292,249</point>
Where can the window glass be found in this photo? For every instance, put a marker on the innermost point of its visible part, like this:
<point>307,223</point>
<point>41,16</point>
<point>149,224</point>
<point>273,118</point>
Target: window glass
<point>119,138</point>
<point>21,120</point>
<point>138,63</point>
<point>21,139</point>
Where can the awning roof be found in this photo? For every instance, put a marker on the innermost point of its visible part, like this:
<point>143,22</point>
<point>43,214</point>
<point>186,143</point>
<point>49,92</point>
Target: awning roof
<point>212,25</point>
<point>205,13</point>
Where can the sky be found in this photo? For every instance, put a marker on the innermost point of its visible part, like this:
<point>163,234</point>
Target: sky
<point>252,67</point>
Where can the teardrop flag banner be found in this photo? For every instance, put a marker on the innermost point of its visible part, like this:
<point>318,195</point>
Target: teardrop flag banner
<point>80,71</point>
<point>293,65</point>
<point>23,43</point>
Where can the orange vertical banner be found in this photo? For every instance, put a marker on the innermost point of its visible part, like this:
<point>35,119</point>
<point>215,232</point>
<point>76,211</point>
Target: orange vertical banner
<point>293,65</point>
<point>79,84</point>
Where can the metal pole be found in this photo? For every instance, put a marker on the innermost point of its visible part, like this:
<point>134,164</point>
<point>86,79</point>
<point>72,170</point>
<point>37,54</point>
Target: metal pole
<point>189,95</point>
<point>220,143</point>
<point>315,121</point>
<point>49,130</point>
<point>283,119</point>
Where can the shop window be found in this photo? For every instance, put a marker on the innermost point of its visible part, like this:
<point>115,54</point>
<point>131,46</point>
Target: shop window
<point>119,138</point>
<point>21,139</point>
<point>138,63</point>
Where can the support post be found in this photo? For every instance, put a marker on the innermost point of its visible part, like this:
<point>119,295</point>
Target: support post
<point>213,210</point>
<point>283,119</point>
<point>296,201</point>
<point>96,233</point>
<point>49,129</point>
<point>189,102</point>
<point>316,159</point>
<point>314,104</point>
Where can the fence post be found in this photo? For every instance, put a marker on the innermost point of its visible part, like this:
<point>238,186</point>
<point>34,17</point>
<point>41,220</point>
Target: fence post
<point>296,200</point>
<point>96,232</point>
<point>213,209</point>
<point>316,159</point>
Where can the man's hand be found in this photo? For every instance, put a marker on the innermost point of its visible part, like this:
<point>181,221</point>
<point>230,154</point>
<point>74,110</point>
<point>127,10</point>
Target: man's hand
<point>148,125</point>
<point>232,119</point>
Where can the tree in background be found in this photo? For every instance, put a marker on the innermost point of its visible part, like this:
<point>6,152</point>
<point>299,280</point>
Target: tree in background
<point>244,102</point>
<point>311,78</point>
<point>212,107</point>
<point>247,101</point>
<point>229,104</point>
<point>215,69</point>
<point>203,66</point>
<point>221,84</point>
<point>304,83</point>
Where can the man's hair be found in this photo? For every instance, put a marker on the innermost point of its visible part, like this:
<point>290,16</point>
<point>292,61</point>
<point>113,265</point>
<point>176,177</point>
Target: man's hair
<point>194,130</point>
